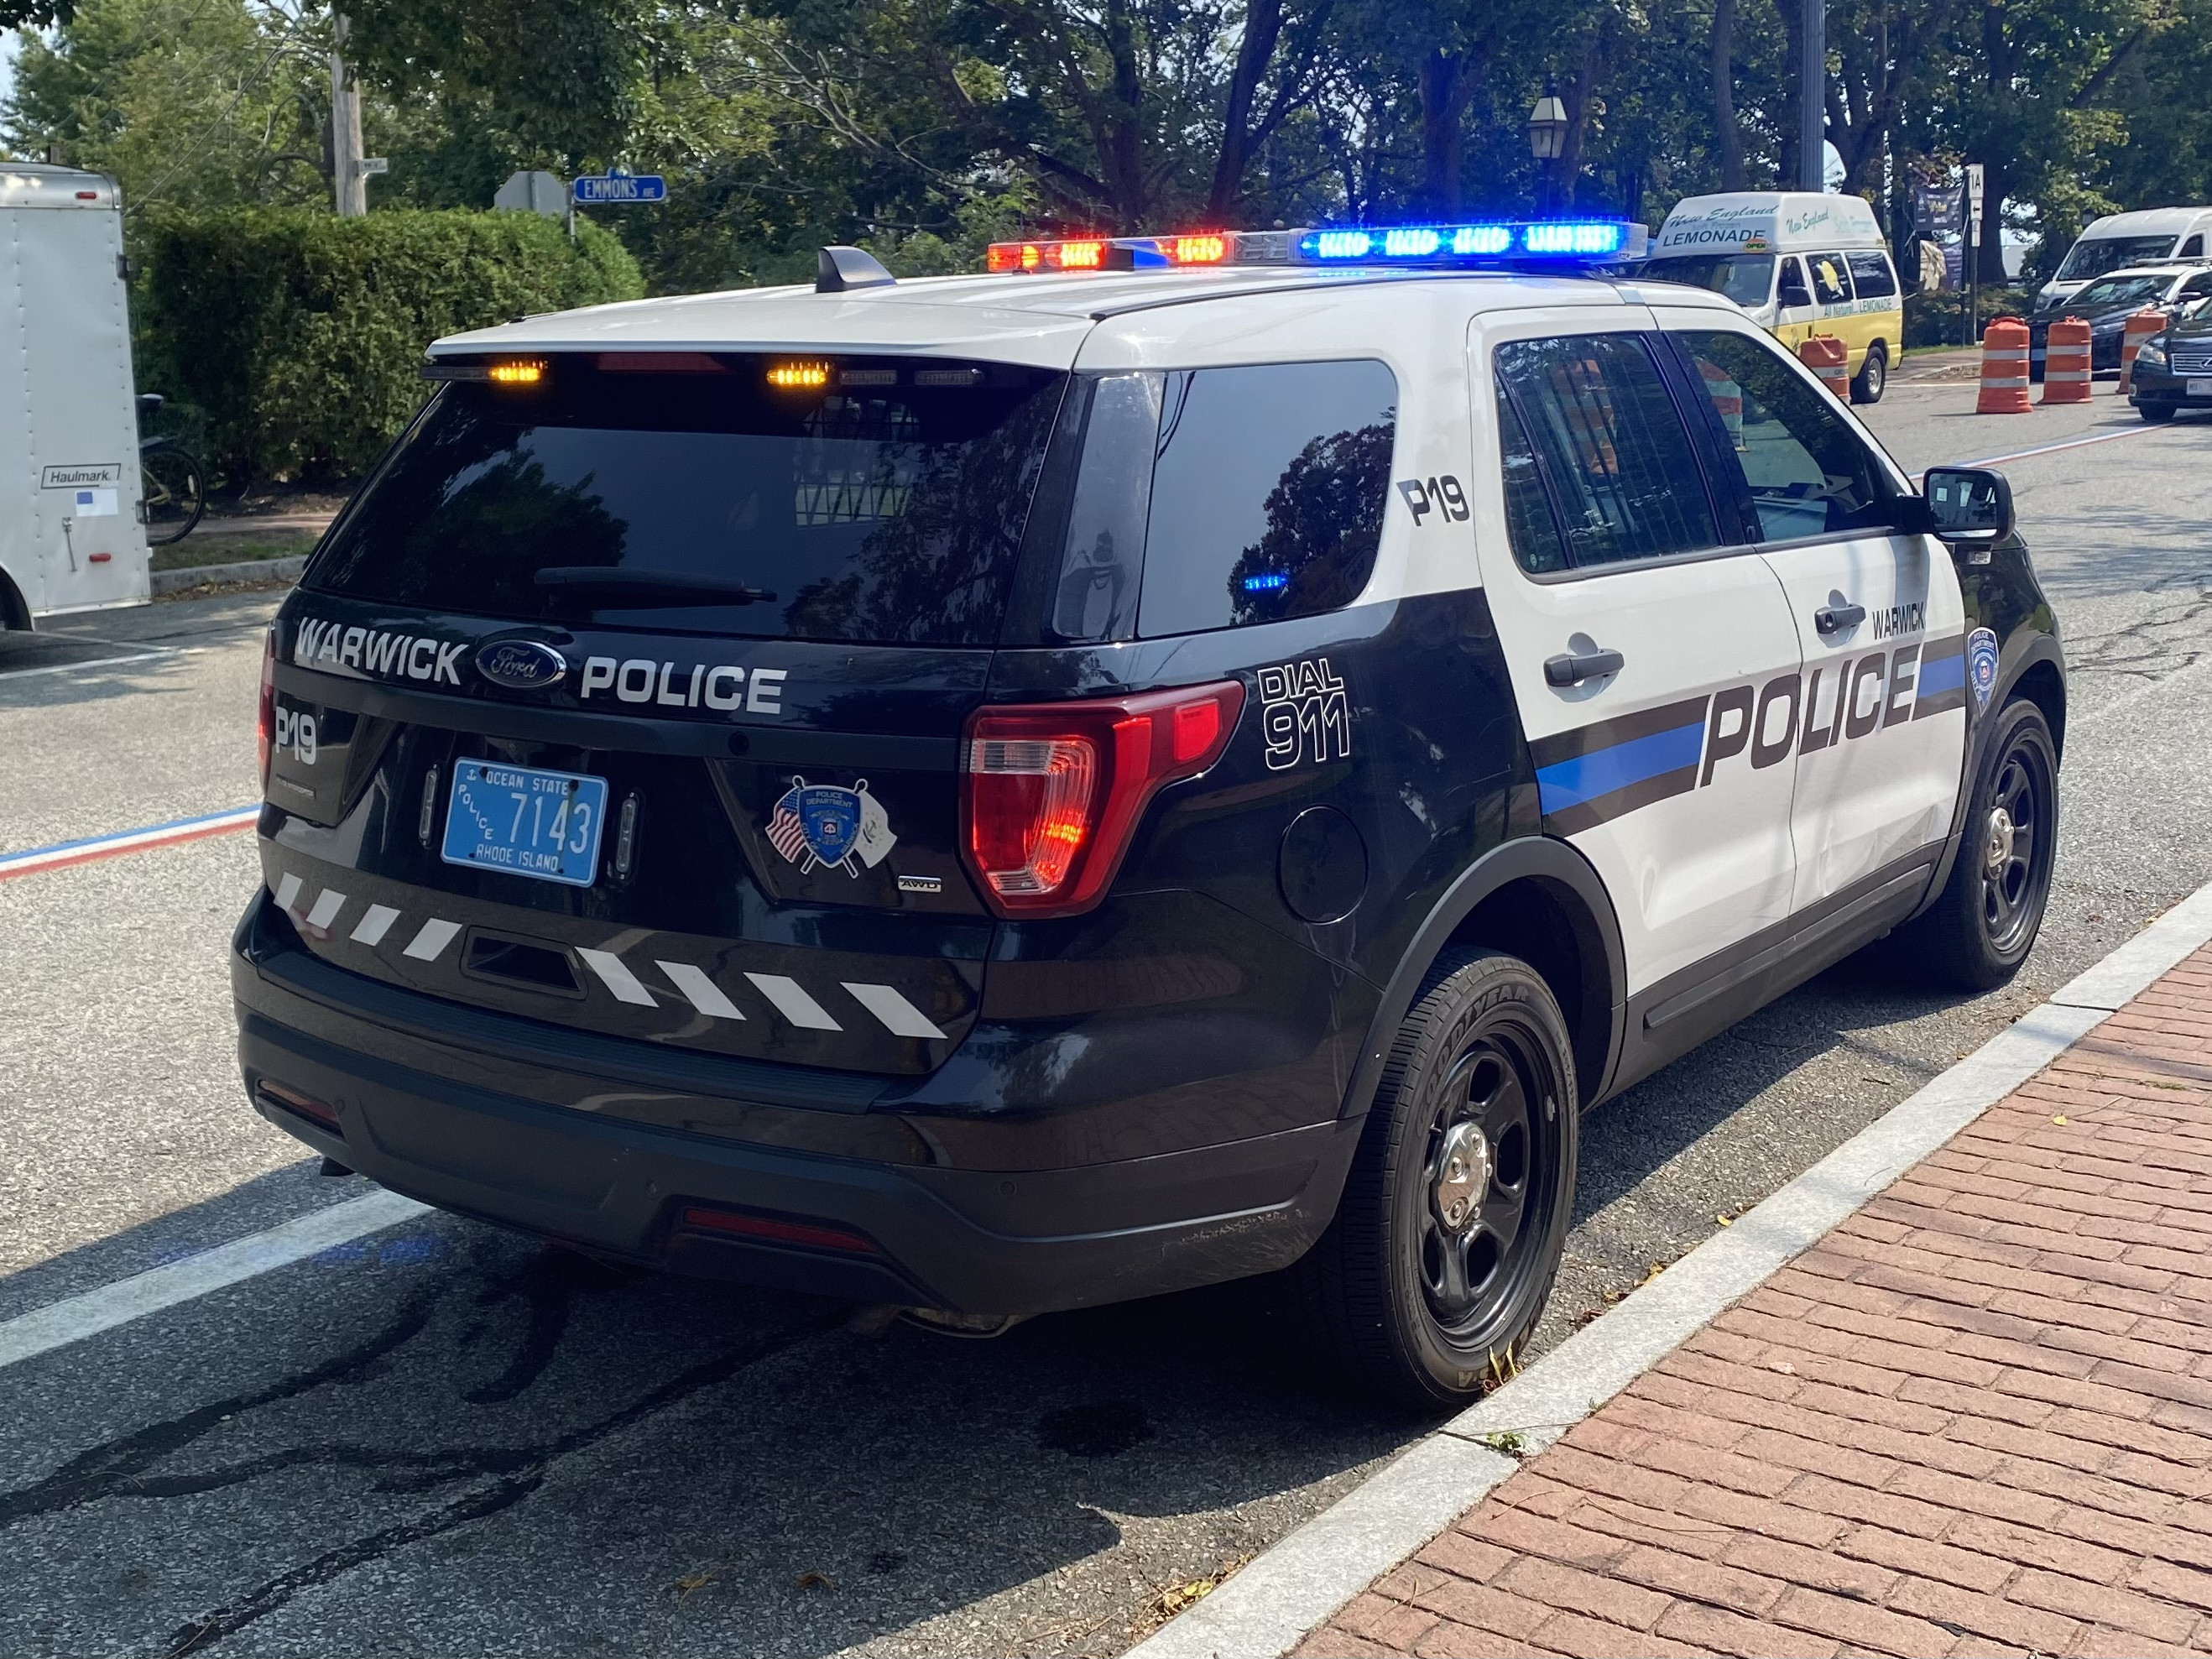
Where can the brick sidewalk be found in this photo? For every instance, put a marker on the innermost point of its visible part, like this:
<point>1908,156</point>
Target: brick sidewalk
<point>1976,1418</point>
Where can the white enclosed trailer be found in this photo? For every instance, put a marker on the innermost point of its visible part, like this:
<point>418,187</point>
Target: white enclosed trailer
<point>70,538</point>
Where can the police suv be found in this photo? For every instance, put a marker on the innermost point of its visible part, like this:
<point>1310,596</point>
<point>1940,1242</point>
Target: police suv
<point>1177,758</point>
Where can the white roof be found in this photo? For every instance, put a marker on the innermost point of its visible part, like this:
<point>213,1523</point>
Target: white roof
<point>1784,221</point>
<point>1040,320</point>
<point>2148,222</point>
<point>35,185</point>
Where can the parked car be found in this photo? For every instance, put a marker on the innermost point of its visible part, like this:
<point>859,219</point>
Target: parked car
<point>2107,303</point>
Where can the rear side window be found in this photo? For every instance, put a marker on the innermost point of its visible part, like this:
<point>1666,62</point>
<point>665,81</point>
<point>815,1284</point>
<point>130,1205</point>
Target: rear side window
<point>1805,471</point>
<point>1831,287</point>
<point>1267,492</point>
<point>2192,247</point>
<point>1871,275</point>
<point>1610,447</point>
<point>877,499</point>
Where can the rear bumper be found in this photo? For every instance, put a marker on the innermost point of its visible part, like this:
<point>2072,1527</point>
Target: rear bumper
<point>437,1123</point>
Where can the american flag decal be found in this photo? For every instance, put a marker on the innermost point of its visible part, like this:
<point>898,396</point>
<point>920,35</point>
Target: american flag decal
<point>785,832</point>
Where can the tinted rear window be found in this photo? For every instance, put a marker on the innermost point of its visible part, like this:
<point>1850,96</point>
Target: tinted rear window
<point>878,500</point>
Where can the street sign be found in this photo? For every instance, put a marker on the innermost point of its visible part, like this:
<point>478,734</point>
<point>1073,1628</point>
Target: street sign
<point>532,192</point>
<point>616,186</point>
<point>1974,199</point>
<point>371,165</point>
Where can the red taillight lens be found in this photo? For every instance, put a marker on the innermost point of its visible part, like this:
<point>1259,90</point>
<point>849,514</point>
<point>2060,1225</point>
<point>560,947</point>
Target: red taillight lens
<point>267,728</point>
<point>1054,790</point>
<point>814,1235</point>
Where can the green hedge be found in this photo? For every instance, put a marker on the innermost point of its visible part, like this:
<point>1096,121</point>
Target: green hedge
<point>1940,319</point>
<point>294,336</point>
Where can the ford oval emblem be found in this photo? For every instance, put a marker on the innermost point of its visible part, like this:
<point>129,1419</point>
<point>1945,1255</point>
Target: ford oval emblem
<point>522,664</point>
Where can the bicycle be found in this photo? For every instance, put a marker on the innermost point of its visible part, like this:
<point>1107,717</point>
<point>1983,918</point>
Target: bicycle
<point>172,485</point>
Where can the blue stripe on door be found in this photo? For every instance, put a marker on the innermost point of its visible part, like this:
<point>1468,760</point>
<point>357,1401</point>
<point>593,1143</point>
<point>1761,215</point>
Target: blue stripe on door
<point>1585,777</point>
<point>1941,674</point>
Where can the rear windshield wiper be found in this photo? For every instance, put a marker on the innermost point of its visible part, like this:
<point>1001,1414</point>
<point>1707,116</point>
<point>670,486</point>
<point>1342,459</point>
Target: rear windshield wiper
<point>646,587</point>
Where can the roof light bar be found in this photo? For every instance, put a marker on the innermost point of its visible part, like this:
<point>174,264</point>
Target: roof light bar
<point>1547,241</point>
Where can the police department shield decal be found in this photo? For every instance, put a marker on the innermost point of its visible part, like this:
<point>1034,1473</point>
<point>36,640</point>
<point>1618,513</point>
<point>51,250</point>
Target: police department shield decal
<point>823,824</point>
<point>1982,665</point>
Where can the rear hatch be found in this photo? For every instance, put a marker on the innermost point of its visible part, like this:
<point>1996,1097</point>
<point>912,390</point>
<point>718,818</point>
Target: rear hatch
<point>628,696</point>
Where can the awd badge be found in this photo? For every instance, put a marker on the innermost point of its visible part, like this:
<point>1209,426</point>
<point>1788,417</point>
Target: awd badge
<point>823,824</point>
<point>1982,666</point>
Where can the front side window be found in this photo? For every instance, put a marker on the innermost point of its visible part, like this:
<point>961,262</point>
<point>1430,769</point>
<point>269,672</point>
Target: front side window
<point>1268,486</point>
<point>1831,287</point>
<point>1746,278</point>
<point>1790,288</point>
<point>1609,446</point>
<point>1805,470</point>
<point>1871,275</point>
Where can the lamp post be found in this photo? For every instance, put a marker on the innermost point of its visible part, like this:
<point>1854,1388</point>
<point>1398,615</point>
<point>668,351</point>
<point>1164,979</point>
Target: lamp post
<point>1547,140</point>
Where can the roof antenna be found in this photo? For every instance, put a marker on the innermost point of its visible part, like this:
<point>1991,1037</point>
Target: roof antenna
<point>837,269</point>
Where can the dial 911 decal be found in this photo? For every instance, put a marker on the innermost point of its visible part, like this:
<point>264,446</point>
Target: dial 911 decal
<point>1304,714</point>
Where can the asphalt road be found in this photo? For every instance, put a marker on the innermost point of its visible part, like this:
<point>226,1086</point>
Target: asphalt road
<point>444,1440</point>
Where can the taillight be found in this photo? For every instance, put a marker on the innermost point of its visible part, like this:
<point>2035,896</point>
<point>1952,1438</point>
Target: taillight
<point>267,728</point>
<point>1053,791</point>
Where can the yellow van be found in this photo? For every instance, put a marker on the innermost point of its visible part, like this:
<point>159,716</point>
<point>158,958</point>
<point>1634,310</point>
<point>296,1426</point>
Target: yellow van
<point>1801,264</point>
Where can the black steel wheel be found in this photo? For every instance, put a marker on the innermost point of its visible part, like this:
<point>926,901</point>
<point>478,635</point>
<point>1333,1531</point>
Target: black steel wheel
<point>175,494</point>
<point>1981,928</point>
<point>1450,1232</point>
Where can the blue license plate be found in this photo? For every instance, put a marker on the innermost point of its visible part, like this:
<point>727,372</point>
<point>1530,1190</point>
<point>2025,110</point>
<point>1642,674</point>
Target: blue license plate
<point>524,821</point>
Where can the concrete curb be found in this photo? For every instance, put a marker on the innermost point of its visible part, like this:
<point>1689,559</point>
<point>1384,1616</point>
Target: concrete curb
<point>166,582</point>
<point>1294,1585</point>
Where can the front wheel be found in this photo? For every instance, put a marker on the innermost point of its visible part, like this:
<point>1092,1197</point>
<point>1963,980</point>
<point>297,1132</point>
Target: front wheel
<point>1443,1249</point>
<point>1977,934</point>
<point>2156,414</point>
<point>174,494</point>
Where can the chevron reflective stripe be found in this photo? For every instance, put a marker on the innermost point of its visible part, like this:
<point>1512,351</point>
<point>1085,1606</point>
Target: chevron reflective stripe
<point>431,942</point>
<point>792,1001</point>
<point>288,891</point>
<point>700,991</point>
<point>900,1016</point>
<point>615,974</point>
<point>328,903</point>
<point>375,924</point>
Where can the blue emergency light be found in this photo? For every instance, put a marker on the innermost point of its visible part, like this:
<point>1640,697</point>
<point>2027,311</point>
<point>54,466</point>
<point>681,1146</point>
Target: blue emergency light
<point>1509,243</point>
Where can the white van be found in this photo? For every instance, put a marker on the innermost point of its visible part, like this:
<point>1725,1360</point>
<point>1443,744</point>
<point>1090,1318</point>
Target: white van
<point>2152,237</point>
<point>1801,264</point>
<point>70,538</point>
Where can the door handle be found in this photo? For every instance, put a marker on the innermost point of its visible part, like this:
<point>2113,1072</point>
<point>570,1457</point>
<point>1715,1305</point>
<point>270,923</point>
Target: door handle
<point>1835,619</point>
<point>1573,667</point>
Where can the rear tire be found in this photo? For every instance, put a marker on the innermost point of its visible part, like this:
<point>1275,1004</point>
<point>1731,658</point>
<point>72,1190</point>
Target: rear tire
<point>1438,1266</point>
<point>1977,934</point>
<point>1873,378</point>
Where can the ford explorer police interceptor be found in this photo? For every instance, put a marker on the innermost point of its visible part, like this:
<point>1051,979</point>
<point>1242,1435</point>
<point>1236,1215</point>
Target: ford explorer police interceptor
<point>1177,758</point>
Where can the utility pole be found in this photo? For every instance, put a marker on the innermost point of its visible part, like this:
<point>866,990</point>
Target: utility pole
<point>1812,99</point>
<point>348,178</point>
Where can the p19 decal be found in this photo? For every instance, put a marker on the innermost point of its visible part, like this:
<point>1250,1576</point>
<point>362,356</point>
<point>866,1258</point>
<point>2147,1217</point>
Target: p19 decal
<point>1438,495</point>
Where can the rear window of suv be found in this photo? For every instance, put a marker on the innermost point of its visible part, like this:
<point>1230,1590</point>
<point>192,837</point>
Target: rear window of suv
<point>869,500</point>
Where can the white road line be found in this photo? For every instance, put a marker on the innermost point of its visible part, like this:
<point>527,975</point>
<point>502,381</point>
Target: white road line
<point>95,662</point>
<point>73,1319</point>
<point>900,1016</point>
<point>2053,449</point>
<point>792,1001</point>
<point>615,972</point>
<point>704,994</point>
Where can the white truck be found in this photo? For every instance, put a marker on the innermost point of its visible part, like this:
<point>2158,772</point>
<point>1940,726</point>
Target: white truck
<point>2151,236</point>
<point>71,537</point>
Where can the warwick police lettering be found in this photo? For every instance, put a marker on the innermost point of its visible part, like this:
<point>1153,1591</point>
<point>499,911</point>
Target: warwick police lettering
<point>1603,771</point>
<point>321,644</point>
<point>702,685</point>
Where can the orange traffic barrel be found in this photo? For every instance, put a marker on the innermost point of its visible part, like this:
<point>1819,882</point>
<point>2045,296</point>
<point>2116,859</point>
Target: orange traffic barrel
<point>1727,396</point>
<point>2066,363</point>
<point>2146,325</point>
<point>2004,368</point>
<point>1830,359</point>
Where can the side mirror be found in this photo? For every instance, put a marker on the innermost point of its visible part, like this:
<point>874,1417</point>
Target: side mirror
<point>1969,507</point>
<point>1794,294</point>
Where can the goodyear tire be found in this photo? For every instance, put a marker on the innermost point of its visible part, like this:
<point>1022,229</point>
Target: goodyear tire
<point>1873,378</point>
<point>1443,1252</point>
<point>1977,934</point>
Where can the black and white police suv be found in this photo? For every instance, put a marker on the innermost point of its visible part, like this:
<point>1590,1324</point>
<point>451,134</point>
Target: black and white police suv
<point>1177,758</point>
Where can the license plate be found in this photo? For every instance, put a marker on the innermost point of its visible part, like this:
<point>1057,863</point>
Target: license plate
<point>524,821</point>
<point>2199,388</point>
